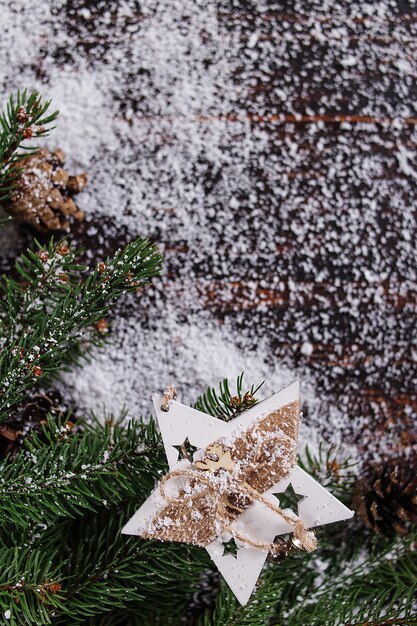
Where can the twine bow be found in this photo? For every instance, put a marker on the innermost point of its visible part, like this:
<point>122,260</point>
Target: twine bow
<point>305,539</point>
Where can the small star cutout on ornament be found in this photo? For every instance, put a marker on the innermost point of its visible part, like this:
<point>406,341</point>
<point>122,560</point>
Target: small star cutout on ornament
<point>289,499</point>
<point>230,548</point>
<point>186,450</point>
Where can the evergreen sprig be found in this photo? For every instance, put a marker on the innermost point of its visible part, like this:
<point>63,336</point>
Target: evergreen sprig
<point>51,305</point>
<point>124,571</point>
<point>259,610</point>
<point>329,588</point>
<point>29,591</point>
<point>223,404</point>
<point>382,587</point>
<point>327,466</point>
<point>87,484</point>
<point>26,116</point>
<point>61,473</point>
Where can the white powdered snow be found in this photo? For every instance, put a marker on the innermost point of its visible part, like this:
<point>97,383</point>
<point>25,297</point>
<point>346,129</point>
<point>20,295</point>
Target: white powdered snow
<point>213,128</point>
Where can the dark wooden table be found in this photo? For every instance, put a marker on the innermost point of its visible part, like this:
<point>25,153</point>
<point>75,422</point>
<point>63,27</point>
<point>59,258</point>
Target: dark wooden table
<point>295,218</point>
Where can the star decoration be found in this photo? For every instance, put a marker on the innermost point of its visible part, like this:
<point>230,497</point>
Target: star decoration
<point>289,499</point>
<point>186,450</point>
<point>259,521</point>
<point>230,547</point>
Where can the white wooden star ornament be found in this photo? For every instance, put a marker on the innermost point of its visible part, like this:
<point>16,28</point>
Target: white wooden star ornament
<point>225,489</point>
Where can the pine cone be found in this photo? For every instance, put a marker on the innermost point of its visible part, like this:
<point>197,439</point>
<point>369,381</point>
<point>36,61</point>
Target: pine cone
<point>387,495</point>
<point>43,197</point>
<point>28,416</point>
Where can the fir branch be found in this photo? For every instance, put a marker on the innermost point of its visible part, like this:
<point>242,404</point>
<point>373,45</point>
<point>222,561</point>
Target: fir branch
<point>44,315</point>
<point>61,473</point>
<point>223,404</point>
<point>336,474</point>
<point>5,220</point>
<point>95,570</point>
<point>278,584</point>
<point>381,587</point>
<point>120,570</point>
<point>28,586</point>
<point>25,117</point>
<point>296,592</point>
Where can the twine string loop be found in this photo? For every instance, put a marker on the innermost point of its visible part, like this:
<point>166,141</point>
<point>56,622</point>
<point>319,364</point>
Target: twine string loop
<point>306,539</point>
<point>170,394</point>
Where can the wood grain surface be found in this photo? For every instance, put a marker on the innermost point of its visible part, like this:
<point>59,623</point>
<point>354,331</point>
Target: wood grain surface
<point>291,215</point>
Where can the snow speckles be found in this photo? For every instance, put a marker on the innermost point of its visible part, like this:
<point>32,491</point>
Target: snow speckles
<point>271,155</point>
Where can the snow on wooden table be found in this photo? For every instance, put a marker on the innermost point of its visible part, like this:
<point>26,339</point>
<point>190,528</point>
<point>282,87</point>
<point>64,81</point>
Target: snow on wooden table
<point>269,149</point>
